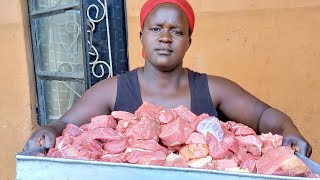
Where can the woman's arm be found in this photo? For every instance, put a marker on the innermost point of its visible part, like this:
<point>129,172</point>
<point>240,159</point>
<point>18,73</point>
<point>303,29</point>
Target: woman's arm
<point>273,120</point>
<point>98,100</point>
<point>238,105</point>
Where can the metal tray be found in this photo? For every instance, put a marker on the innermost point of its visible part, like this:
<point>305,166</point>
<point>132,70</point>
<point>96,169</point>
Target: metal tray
<point>32,167</point>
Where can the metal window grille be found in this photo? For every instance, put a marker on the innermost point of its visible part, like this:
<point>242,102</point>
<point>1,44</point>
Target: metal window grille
<point>76,43</point>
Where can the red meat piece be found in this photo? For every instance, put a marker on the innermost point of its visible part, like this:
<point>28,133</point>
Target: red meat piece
<point>185,114</point>
<point>72,130</point>
<point>112,158</point>
<point>282,161</point>
<point>217,150</point>
<point>116,146</point>
<point>101,134</point>
<point>144,130</point>
<point>175,133</point>
<point>196,138</point>
<point>175,160</point>
<point>166,116</point>
<point>123,115</point>
<point>103,121</point>
<point>150,145</point>
<point>140,156</point>
<point>270,141</point>
<point>91,150</point>
<point>123,125</point>
<point>223,164</point>
<point>148,110</point>
<point>54,153</point>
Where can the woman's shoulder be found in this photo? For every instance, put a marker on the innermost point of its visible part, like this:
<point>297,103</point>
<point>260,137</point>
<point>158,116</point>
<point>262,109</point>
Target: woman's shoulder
<point>212,79</point>
<point>223,88</point>
<point>113,80</point>
<point>222,83</point>
<point>109,85</point>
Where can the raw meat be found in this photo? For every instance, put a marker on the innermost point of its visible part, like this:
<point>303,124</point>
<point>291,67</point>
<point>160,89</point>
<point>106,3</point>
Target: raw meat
<point>178,138</point>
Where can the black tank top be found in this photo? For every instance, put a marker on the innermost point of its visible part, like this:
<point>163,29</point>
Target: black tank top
<point>129,96</point>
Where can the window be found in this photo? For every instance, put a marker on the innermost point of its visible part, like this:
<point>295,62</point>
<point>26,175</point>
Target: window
<point>76,43</point>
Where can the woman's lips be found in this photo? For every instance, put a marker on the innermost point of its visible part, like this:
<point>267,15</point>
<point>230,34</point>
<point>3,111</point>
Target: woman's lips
<point>164,51</point>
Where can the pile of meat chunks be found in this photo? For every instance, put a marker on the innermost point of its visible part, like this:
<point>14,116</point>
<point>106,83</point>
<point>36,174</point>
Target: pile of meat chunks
<point>178,138</point>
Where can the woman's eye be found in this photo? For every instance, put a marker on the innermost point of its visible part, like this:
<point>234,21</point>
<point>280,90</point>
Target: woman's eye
<point>155,29</point>
<point>176,32</point>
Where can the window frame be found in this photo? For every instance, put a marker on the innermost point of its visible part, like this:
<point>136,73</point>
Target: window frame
<point>42,76</point>
<point>87,79</point>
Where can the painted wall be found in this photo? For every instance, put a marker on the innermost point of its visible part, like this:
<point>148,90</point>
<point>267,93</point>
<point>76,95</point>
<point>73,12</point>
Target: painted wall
<point>269,47</point>
<point>16,84</point>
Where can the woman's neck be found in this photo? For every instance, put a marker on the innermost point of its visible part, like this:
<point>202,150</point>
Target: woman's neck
<point>169,80</point>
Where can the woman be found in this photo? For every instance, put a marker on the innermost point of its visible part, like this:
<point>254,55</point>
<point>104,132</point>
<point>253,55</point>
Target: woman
<point>166,29</point>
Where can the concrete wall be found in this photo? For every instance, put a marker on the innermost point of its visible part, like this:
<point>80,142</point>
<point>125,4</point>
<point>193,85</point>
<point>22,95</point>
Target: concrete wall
<point>16,84</point>
<point>269,47</point>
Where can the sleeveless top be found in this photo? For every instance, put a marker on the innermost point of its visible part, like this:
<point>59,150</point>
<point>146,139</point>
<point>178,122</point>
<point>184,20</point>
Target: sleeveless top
<point>129,96</point>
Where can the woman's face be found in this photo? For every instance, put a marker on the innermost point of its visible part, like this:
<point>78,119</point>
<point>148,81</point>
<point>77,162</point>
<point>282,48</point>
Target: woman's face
<point>165,37</point>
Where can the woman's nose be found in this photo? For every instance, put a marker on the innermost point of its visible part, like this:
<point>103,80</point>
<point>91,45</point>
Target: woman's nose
<point>165,37</point>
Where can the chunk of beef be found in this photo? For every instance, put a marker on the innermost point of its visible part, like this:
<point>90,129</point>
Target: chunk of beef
<point>270,141</point>
<point>91,150</point>
<point>196,138</point>
<point>175,160</point>
<point>249,164</point>
<point>123,125</point>
<point>70,151</point>
<point>217,150</point>
<point>223,164</point>
<point>204,163</point>
<point>194,151</point>
<point>185,114</point>
<point>54,153</point>
<point>166,116</point>
<point>144,130</point>
<point>103,121</point>
<point>140,156</point>
<point>62,141</point>
<point>112,158</point>
<point>116,146</point>
<point>150,145</point>
<point>175,133</point>
<point>282,161</point>
<point>101,134</point>
<point>252,143</point>
<point>72,130</point>
<point>230,140</point>
<point>123,115</point>
<point>242,130</point>
<point>148,110</point>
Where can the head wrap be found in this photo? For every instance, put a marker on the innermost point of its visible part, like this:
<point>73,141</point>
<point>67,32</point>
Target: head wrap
<point>183,4</point>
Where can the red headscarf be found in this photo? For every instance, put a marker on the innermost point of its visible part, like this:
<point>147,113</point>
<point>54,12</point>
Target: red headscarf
<point>183,4</point>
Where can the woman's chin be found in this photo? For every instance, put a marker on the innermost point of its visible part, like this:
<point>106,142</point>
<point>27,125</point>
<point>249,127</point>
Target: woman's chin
<point>166,67</point>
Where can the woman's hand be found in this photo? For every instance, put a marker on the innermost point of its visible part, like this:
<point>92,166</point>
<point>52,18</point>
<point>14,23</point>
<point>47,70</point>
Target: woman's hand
<point>297,142</point>
<point>44,136</point>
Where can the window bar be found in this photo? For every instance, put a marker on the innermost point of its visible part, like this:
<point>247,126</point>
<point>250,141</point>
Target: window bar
<point>86,66</point>
<point>62,76</point>
<point>54,11</point>
<point>40,90</point>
